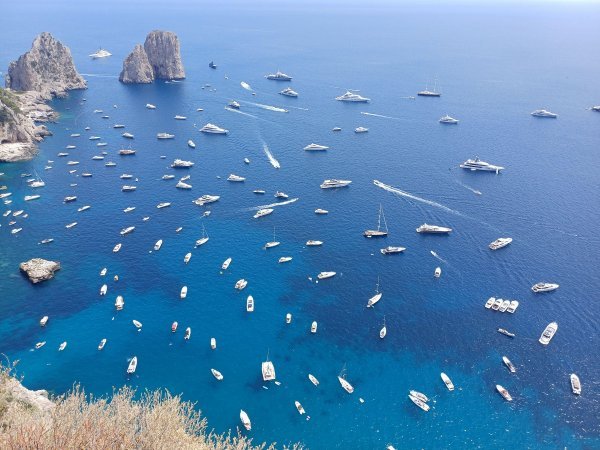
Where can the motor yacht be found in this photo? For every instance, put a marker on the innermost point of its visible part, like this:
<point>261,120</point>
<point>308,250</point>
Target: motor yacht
<point>241,284</point>
<point>168,177</point>
<point>126,152</point>
<point>575,384</point>
<point>127,230</point>
<point>544,287</point>
<point>158,245</point>
<point>97,157</point>
<point>119,303</point>
<point>205,199</point>
<point>509,364</point>
<point>218,375</point>
<point>438,272</point>
<point>43,321</point>
<point>100,53</point>
<point>86,174</point>
<point>129,209</point>
<point>353,98</point>
<point>390,250</point>
<point>514,304</point>
<point>500,243</point>
<point>548,333</point>
<point>333,183</point>
<point>504,393</point>
<point>102,344</point>
<point>118,125</point>
<point>165,136</point>
<point>131,368</point>
<point>321,211</point>
<point>313,379</point>
<point>490,302</point>
<point>69,199</point>
<point>117,248</point>
<point>209,128</point>
<point>235,178</point>
<point>259,191</point>
<point>179,163</point>
<point>447,381</point>
<point>233,104</point>
<point>103,289</point>
<point>361,130</point>
<point>40,345</point>
<point>280,194</point>
<point>225,265</point>
<point>213,343</point>
<point>448,120</point>
<point>263,212</point>
<point>150,106</point>
<point>544,113</point>
<point>336,129</point>
<point>245,420</point>
<point>110,164</point>
<point>278,76</point>
<point>288,92</point>
<point>288,318</point>
<point>183,292</point>
<point>313,243</point>
<point>178,117</point>
<point>28,198</point>
<point>325,275</point>
<point>417,401</point>
<point>181,185</point>
<point>313,327</point>
<point>137,324</point>
<point>163,205</point>
<point>433,229</point>
<point>128,136</point>
<point>315,148</point>
<point>284,259</point>
<point>478,165</point>
<point>246,161</point>
<point>187,257</point>
<point>506,332</point>
<point>188,334</point>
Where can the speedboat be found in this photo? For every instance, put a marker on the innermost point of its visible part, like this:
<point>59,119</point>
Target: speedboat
<point>250,304</point>
<point>336,129</point>
<point>333,183</point>
<point>438,272</point>
<point>544,113</point>
<point>174,326</point>
<point>235,178</point>
<point>509,364</point>
<point>421,404</point>
<point>548,333</point>
<point>150,106</point>
<point>43,321</point>
<point>183,293</point>
<point>500,243</point>
<point>378,232</point>
<point>313,327</point>
<point>490,302</point>
<point>187,257</point>
<point>299,407</point>
<point>70,225</point>
<point>28,198</point>
<point>477,164</point>
<point>200,201</point>
<point>62,346</point>
<point>284,259</point>
<point>506,332</point>
<point>313,379</point>
<point>40,344</point>
<point>361,130</point>
<point>103,289</point>
<point>241,284</point>
<point>390,250</point>
<point>117,248</point>
<point>213,343</point>
<point>181,185</point>
<point>544,287</point>
<point>137,324</point>
<point>165,136</point>
<point>514,304</point>
<point>179,163</point>
<point>352,97</point>
<point>278,76</point>
<point>158,245</point>
<point>127,230</point>
<point>259,191</point>
<point>213,129</point>
<point>433,229</point>
<point>83,208</point>
<point>448,120</point>
<point>102,344</point>
<point>447,381</point>
<point>575,384</point>
<point>263,212</point>
<point>233,104</point>
<point>504,393</point>
<point>100,53</point>
<point>321,211</point>
<point>245,420</point>
<point>180,117</point>
<point>225,265</point>
<point>128,136</point>
<point>325,275</point>
<point>315,147</point>
<point>217,374</point>
<point>132,365</point>
<point>188,334</point>
<point>163,205</point>
<point>288,92</point>
<point>312,243</point>
<point>129,209</point>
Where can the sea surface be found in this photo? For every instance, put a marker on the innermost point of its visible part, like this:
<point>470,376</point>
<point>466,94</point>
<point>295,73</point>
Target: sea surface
<point>493,64</point>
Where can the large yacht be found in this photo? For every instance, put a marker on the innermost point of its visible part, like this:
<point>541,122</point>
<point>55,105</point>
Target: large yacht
<point>378,232</point>
<point>352,97</point>
<point>428,93</point>
<point>390,250</point>
<point>333,183</point>
<point>213,129</point>
<point>234,177</point>
<point>315,147</point>
<point>433,229</point>
<point>449,120</point>
<point>100,53</point>
<point>477,164</point>
<point>544,287</point>
<point>548,333</point>
<point>289,92</point>
<point>278,76</point>
<point>544,113</point>
<point>263,212</point>
<point>165,136</point>
<point>179,163</point>
<point>499,243</point>
<point>325,275</point>
<point>200,201</point>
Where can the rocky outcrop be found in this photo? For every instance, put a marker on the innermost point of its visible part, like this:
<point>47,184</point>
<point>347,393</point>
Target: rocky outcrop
<point>38,269</point>
<point>136,67</point>
<point>160,58</point>
<point>47,68</point>
<point>14,393</point>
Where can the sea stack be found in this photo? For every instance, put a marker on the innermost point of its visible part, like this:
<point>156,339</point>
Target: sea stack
<point>38,269</point>
<point>160,58</point>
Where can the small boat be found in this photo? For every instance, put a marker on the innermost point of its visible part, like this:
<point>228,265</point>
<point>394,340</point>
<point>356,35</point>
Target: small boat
<point>118,125</point>
<point>71,225</point>
<point>217,374</point>
<point>288,318</point>
<point>174,326</point>
<point>178,117</point>
<point>383,330</point>
<point>150,106</point>
<point>325,275</point>
<point>158,245</point>
<point>263,212</point>
<point>497,303</point>
<point>313,243</point>
<point>258,191</point>
<point>16,230</point>
<point>183,293</point>
<point>345,384</point>
<point>128,136</point>
<point>131,368</point>
<point>62,346</point>
<point>163,205</point>
<point>241,284</point>
<point>250,304</point>
<point>165,136</point>
<point>204,239</point>
<point>191,144</point>
<point>313,379</point>
<point>40,345</point>
<point>376,297</point>
<point>315,148</point>
<point>336,129</point>
<point>187,257</point>
<point>504,393</point>
<point>419,395</point>
<point>548,333</point>
<point>129,209</point>
<point>188,334</point>
<point>544,287</point>
<point>438,272</point>
<point>83,208</point>
<point>490,302</point>
<point>137,324</point>
<point>284,259</point>
<point>168,177</point>
<point>500,243</point>
<point>213,343</point>
<point>86,174</point>
<point>506,332</point>
<point>421,404</point>
<point>225,264</point>
<point>119,303</point>
<point>212,65</point>
<point>448,120</point>
<point>321,211</point>
<point>351,97</point>
<point>127,230</point>
<point>245,420</point>
<point>128,188</point>
<point>299,407</point>
<point>514,304</point>
<point>102,344</point>
<point>509,364</point>
<point>117,248</point>
<point>504,306</point>
<point>575,384</point>
<point>447,381</point>
<point>390,250</point>
<point>69,199</point>
<point>28,198</point>
<point>246,161</point>
<point>361,130</point>
<point>283,195</point>
<point>103,289</point>
<point>110,164</point>
<point>43,321</point>
<point>313,327</point>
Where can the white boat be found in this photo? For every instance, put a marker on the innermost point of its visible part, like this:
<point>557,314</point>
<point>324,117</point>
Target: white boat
<point>378,232</point>
<point>272,243</point>
<point>183,293</point>
<point>117,247</point>
<point>210,128</point>
<point>83,208</point>
<point>447,381</point>
<point>158,245</point>
<point>288,318</point>
<point>497,303</point>
<point>37,184</point>
<point>241,284</point>
<point>235,178</point>
<point>62,346</point>
<point>213,343</point>
<point>245,420</point>
<point>268,370</point>
<point>97,157</point>
<point>71,225</point>
<point>504,306</point>
<point>490,302</point>
<point>313,243</point>
<point>421,404</point>
<point>500,243</point>
<point>433,229</point>
<point>128,188</point>
<point>506,332</point>
<point>28,198</point>
<point>127,230</point>
<point>204,239</point>
<point>163,205</point>
<point>390,250</point>
<point>86,174</point>
<point>263,212</point>
<point>187,257</point>
<point>102,344</point>
<point>188,334</point>
<point>205,199</point>
<point>100,53</point>
<point>225,264</point>
<point>376,297</point>
<point>103,289</point>
<point>119,303</point>
<point>544,113</point>
<point>174,326</point>
<point>448,120</point>
<point>325,275</point>
<point>345,384</point>
<point>129,209</point>
<point>165,136</point>
<point>233,104</point>
<point>40,344</point>
<point>179,163</point>
<point>69,199</point>
<point>383,330</point>
<point>278,76</point>
<point>110,164</point>
<point>191,144</point>
<point>544,287</point>
<point>103,272</point>
<point>504,393</point>
<point>352,97</point>
<point>258,191</point>
<point>181,185</point>
<point>336,129</point>
<point>150,106</point>
<point>246,161</point>
<point>250,304</point>
<point>333,183</point>
<point>218,375</point>
<point>478,165</point>
<point>548,333</point>
<point>509,365</point>
<point>419,395</point>
<point>514,304</point>
<point>280,194</point>
<point>118,125</point>
<point>438,272</point>
<point>315,147</point>
<point>314,326</point>
<point>131,368</point>
<point>288,92</point>
<point>43,321</point>
<point>128,136</point>
<point>178,117</point>
<point>299,407</point>
<point>575,384</point>
<point>361,130</point>
<point>284,259</point>
<point>321,211</point>
<point>46,241</point>
<point>137,324</point>
<point>313,379</point>
<point>428,93</point>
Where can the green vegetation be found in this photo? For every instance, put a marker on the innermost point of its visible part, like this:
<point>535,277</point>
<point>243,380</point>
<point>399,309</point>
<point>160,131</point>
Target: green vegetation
<point>8,101</point>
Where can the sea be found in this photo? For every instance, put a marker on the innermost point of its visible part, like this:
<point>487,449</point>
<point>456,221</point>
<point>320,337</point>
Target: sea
<point>494,63</point>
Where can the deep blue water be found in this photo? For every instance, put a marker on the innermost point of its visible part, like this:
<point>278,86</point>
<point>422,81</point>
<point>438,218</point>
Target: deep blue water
<point>494,65</point>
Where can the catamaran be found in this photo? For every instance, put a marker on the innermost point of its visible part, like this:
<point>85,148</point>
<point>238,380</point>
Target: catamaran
<point>268,370</point>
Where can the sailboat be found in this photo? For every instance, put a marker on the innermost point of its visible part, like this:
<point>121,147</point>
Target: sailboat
<point>203,239</point>
<point>383,331</point>
<point>268,370</point>
<point>342,379</point>
<point>376,297</point>
<point>378,232</point>
<point>273,243</point>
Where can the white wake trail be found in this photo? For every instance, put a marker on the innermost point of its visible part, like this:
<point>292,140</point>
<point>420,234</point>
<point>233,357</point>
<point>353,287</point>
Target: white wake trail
<point>435,255</point>
<point>380,115</point>
<point>272,205</point>
<point>246,86</point>
<point>97,75</point>
<point>240,112</point>
<point>474,191</point>
<point>269,107</point>
<point>272,159</point>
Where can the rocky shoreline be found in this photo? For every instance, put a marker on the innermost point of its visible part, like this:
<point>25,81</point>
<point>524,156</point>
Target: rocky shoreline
<point>38,269</point>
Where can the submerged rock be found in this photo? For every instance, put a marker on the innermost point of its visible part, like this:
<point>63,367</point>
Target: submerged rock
<point>136,67</point>
<point>38,269</point>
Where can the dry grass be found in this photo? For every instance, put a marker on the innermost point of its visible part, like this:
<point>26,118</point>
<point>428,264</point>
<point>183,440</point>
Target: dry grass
<point>155,420</point>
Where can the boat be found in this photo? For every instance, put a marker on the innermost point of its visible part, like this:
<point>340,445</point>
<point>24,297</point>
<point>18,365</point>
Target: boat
<point>315,148</point>
<point>438,272</point>
<point>131,368</point>
<point>246,161</point>
<point>188,334</point>
<point>235,178</point>
<point>118,125</point>
<point>428,93</point>
<point>70,225</point>
<point>178,117</point>
<point>548,333</point>
<point>102,344</point>
<point>86,174</point>
<point>187,257</point>
<point>321,211</point>
<point>43,321</point>
<point>497,303</point>
<point>245,420</point>
<point>504,393</point>
<point>509,364</point>
<point>595,108</point>
<point>361,130</point>
<point>97,157</point>
<point>204,239</point>
<point>272,243</point>
<point>117,248</point>
<point>284,259</point>
<point>127,230</point>
<point>544,113</point>
<point>575,384</point>
<point>500,243</point>
<point>62,346</point>
<point>181,185</point>
<point>345,384</point>
<point>313,243</point>
<point>69,199</point>
<point>376,297</point>
<point>137,324</point>
<point>128,136</point>
<point>383,330</point>
<point>336,129</point>
<point>421,404</point>
<point>490,302</point>
<point>126,151</point>
<point>504,306</point>
<point>390,250</point>
<point>268,370</point>
<point>288,92</point>
<point>158,245</point>
<point>183,293</point>
<point>179,163</point>
<point>448,120</point>
<point>205,199</point>
<point>313,327</point>
<point>433,229</point>
<point>506,332</point>
<point>163,205</point>
<point>352,98</point>
<point>288,318</point>
<point>258,191</point>
<point>419,395</point>
<point>28,198</point>
<point>110,164</point>
<point>83,208</point>
<point>128,188</point>
<point>478,165</point>
<point>313,379</point>
<point>37,184</point>
<point>241,284</point>
<point>213,343</point>
<point>447,381</point>
<point>165,136</point>
<point>278,76</point>
<point>299,407</point>
<point>233,104</point>
<point>129,209</point>
<point>250,304</point>
<point>103,289</point>
<point>210,128</point>
<point>150,106</point>
<point>16,230</point>
<point>333,183</point>
<point>119,303</point>
<point>512,307</point>
<point>378,232</point>
<point>40,344</point>
<point>212,65</point>
<point>325,275</point>
<point>62,154</point>
<point>263,212</point>
<point>225,264</point>
<point>280,194</point>
<point>100,53</point>
<point>544,287</point>
<point>218,375</point>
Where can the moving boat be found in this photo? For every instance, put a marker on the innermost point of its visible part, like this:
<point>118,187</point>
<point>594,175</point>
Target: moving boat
<point>217,374</point>
<point>268,370</point>
<point>438,272</point>
<point>509,364</point>
<point>278,76</point>
<point>174,326</point>
<point>289,92</point>
<point>313,379</point>
<point>188,334</point>
<point>544,287</point>
<point>321,211</point>
<point>477,164</point>
<point>575,384</point>
<point>233,104</point>
<point>378,232</point>
<point>315,147</point>
<point>165,136</point>
<point>376,297</point>
<point>62,346</point>
<point>361,130</point>
<point>250,304</point>
<point>285,259</point>
<point>102,344</point>
<point>390,250</point>
<point>158,245</point>
<point>433,229</point>
<point>500,243</point>
<point>263,212</point>
<point>187,257</point>
<point>447,381</point>
<point>183,293</point>
<point>235,178</point>
<point>210,128</point>
<point>333,183</point>
<point>43,321</point>
<point>504,393</point>
<point>544,113</point>
<point>420,403</point>
<point>225,264</point>
<point>150,106</point>
<point>506,332</point>
<point>117,247</point>
<point>245,420</point>
<point>241,284</point>
<point>131,368</point>
<point>548,333</point>
<point>448,120</point>
<point>313,327</point>
<point>100,53</point>
<point>119,303</point>
<point>205,199</point>
<point>352,98</point>
<point>325,275</point>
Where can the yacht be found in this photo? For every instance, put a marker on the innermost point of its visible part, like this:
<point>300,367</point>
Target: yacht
<point>575,384</point>
<point>500,243</point>
<point>288,92</point>
<point>168,177</point>
<point>544,113</point>
<point>419,395</point>
<point>97,157</point>
<point>477,164</point>
<point>595,108</point>
<point>188,334</point>
<point>233,104</point>
<point>280,194</point>
<point>132,365</point>
<point>245,420</point>
<point>70,225</point>
<point>127,136</point>
<point>506,332</point>
<point>62,154</point>
<point>205,199</point>
<point>119,303</point>
<point>325,275</point>
<point>100,53</point>
<point>75,134</point>
<point>448,120</point>
<point>158,245</point>
<point>497,303</point>
<point>103,289</point>
<point>165,136</point>
<point>336,129</point>
<point>213,129</point>
<point>390,250</point>
<point>268,370</point>
<point>62,346</point>
<point>235,178</point>
<point>278,76</point>
<point>299,407</point>
<point>37,184</point>
<point>126,151</point>
<point>94,138</point>
<point>83,208</point>
<point>250,304</point>
<point>187,257</point>
<point>40,345</point>
<point>447,381</point>
<point>102,344</point>
<point>514,304</point>
<point>183,293</point>
<point>129,209</point>
<point>127,230</point>
<point>376,297</point>
<point>361,130</point>
<point>180,117</point>
<point>204,239</point>
<point>509,365</point>
<point>548,333</point>
<point>345,384</point>
<point>118,125</point>
<point>163,205</point>
<point>225,264</point>
<point>315,147</point>
<point>428,93</point>
<point>259,191</point>
<point>28,198</point>
<point>378,232</point>
<point>321,211</point>
<point>490,302</point>
<point>16,230</point>
<point>284,259</point>
<point>333,183</point>
<point>313,243</point>
<point>43,321</point>
<point>352,97</point>
<point>313,379</point>
<point>420,403</point>
<point>213,343</point>
<point>433,229</point>
<point>150,106</point>
<point>137,324</point>
<point>179,163</point>
<point>110,164</point>
<point>544,287</point>
<point>263,212</point>
<point>504,393</point>
<point>383,330</point>
<point>241,284</point>
<point>70,199</point>
<point>438,272</point>
<point>86,174</point>
<point>504,306</point>
<point>191,144</point>
<point>313,327</point>
<point>218,375</point>
<point>181,185</point>
<point>117,248</point>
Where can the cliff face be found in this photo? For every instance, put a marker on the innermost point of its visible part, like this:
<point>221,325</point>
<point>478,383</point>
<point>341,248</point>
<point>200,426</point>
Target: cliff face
<point>47,68</point>
<point>160,58</point>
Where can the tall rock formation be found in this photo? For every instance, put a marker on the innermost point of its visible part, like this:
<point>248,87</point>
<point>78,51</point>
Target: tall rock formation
<point>160,58</point>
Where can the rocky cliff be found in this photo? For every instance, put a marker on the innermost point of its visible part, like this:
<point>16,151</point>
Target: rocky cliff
<point>160,58</point>
<point>38,269</point>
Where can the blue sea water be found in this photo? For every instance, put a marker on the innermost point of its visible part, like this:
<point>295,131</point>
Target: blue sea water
<point>494,65</point>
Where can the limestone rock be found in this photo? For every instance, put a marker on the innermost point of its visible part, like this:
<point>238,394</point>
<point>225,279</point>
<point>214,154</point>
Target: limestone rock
<point>20,395</point>
<point>38,269</point>
<point>162,48</point>
<point>136,67</point>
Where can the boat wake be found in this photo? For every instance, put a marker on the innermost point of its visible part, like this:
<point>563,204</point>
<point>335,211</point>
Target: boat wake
<point>272,159</point>
<point>246,86</point>
<point>474,191</point>
<point>99,75</point>
<point>240,112</point>
<point>268,107</point>
<point>435,255</point>
<point>272,205</point>
<point>380,115</point>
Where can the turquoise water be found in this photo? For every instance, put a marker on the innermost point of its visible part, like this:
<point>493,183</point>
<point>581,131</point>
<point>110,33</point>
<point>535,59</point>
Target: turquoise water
<point>494,65</point>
